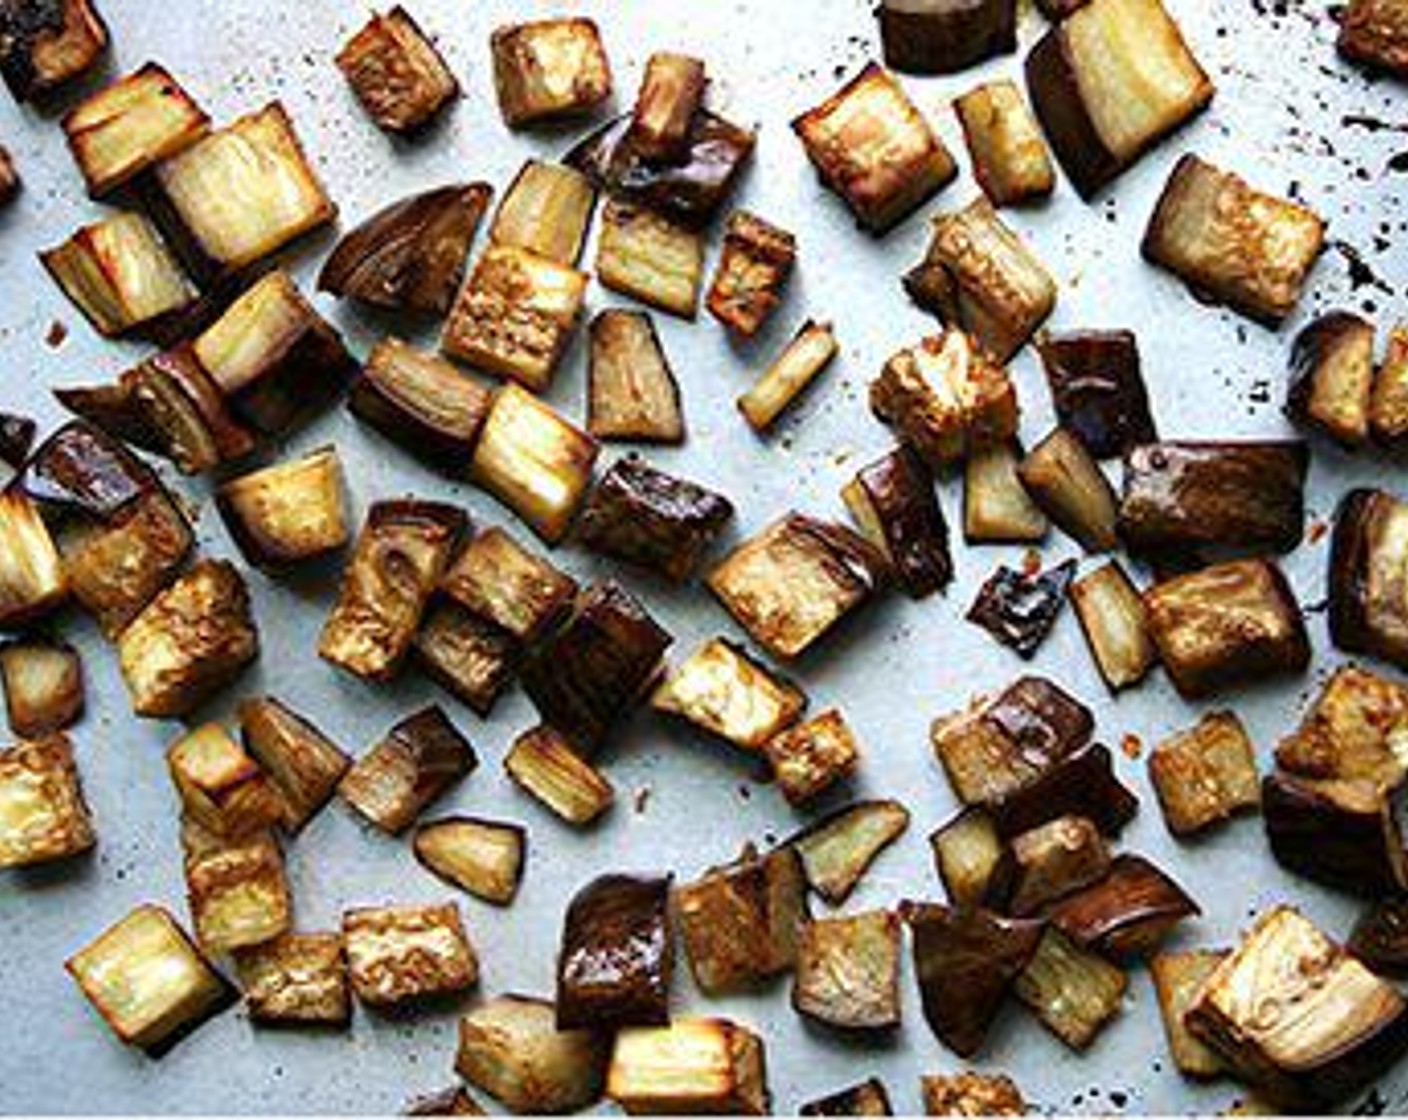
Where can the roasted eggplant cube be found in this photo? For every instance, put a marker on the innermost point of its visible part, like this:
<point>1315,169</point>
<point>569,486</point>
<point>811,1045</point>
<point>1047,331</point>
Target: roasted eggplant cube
<point>996,506</point>
<point>398,955</point>
<point>1178,979</point>
<point>222,788</point>
<point>811,350</point>
<point>46,43</point>
<point>1054,860</point>
<point>504,583</point>
<point>482,857</point>
<point>43,686</point>
<point>547,211</point>
<point>871,146</point>
<point>868,1098</point>
<point>1083,784</point>
<point>1070,488</point>
<point>974,863</point>
<point>43,815</point>
<point>303,764</point>
<point>81,472</point>
<point>837,850</point>
<point>972,1094</point>
<point>1098,390</point>
<point>549,69</point>
<point>1388,405</point>
<point>1019,608</point>
<point>544,764</point>
<point>396,72</point>
<point>893,502</point>
<point>1380,937</point>
<point>616,957</point>
<point>17,433</point>
<point>1340,832</point>
<point>720,689</point>
<point>1354,730</point>
<point>1332,377</point>
<point>299,978</point>
<point>812,756</point>
<point>468,656</point>
<point>1075,993</point>
<point>1010,159</point>
<point>631,390</point>
<point>287,513</point>
<point>671,92</point>
<point>691,1067</point>
<point>402,551</point>
<point>147,980</point>
<point>1115,625</point>
<point>650,258</point>
<point>753,269</point>
<point>1367,563</point>
<point>1374,33</point>
<point>238,894</point>
<point>848,971</point>
<point>945,36</point>
<point>1109,82</point>
<point>1205,775</point>
<point>417,761</point>
<point>1127,913</point>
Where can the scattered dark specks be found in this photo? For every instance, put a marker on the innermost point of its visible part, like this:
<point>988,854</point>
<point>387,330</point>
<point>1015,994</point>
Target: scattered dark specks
<point>1398,164</point>
<point>744,792</point>
<point>642,799</point>
<point>1361,275</point>
<point>1118,1099</point>
<point>1260,392</point>
<point>58,334</point>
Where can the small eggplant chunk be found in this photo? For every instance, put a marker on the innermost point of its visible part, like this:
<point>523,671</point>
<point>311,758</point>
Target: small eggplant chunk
<point>16,438</point>
<point>9,177</point>
<point>223,790</point>
<point>692,1067</point>
<point>1332,377</point>
<point>43,686</point>
<point>720,689</point>
<point>867,1098</point>
<point>417,761</point>
<point>80,471</point>
<point>303,764</point>
<point>650,258</point>
<point>549,69</point>
<point>1109,82</point>
<point>1178,979</point>
<point>671,92</point>
<point>1127,913</point>
<point>1356,729</point>
<point>468,656</point>
<point>893,502</point>
<point>1388,405</point>
<point>397,955</point>
<point>1083,784</point>
<point>510,1048</point>
<point>972,1094</point>
<point>945,36</point>
<point>1296,1016</point>
<point>616,957</point>
<point>1075,993</point>
<point>1368,566</point>
<point>544,764</point>
<point>546,211</point>
<point>43,815</point>
<point>1098,390</point>
<point>506,584</point>
<point>287,513</point>
<point>1115,625</point>
<point>1009,156</point>
<point>482,857</point>
<point>1380,937</point>
<point>1343,833</point>
<point>238,894</point>
<point>811,350</point>
<point>644,516</point>
<point>1374,33</point>
<point>1205,775</point>
<point>838,849</point>
<point>965,961</point>
<point>454,1101</point>
<point>757,259</point>
<point>148,981</point>
<point>411,255</point>
<point>1226,624</point>
<point>299,978</point>
<point>1018,609</point>
<point>973,861</point>
<point>871,146</point>
<point>848,971</point>
<point>1054,860</point>
<point>396,72</point>
<point>996,506</point>
<point>632,393</point>
<point>1066,482</point>
<point>811,757</point>
<point>47,43</point>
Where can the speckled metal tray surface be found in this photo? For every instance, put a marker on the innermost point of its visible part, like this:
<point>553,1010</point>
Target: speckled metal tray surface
<point>1288,114</point>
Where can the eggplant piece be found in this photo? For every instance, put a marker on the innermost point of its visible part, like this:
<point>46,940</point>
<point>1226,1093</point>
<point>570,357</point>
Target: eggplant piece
<point>752,272</point>
<point>795,580</point>
<point>502,582</point>
<point>810,757</point>
<point>1010,159</point>
<point>1226,624</point>
<point>971,1094</point>
<point>1380,937</point>
<point>398,955</point>
<point>1115,625</point>
<point>411,255</point>
<point>867,1098</point>
<point>631,391</point>
<point>543,764</point>
<point>945,36</point>
<point>692,1067</point>
<point>9,177</point>
<point>43,814</point>
<point>893,501</point>
<point>1127,913</point>
<point>43,686</point>
<point>297,978</point>
<point>838,849</point>
<point>510,1048</point>
<point>1075,993</point>
<point>811,350</point>
<point>82,471</point>
<point>1343,833</point>
<point>671,92</point>
<point>396,72</point>
<point>1083,784</point>
<point>848,972</point>
<point>965,961</point>
<point>650,258</point>
<point>872,146</point>
<point>47,43</point>
<point>454,1101</point>
<point>16,438</point>
<point>1098,390</point>
<point>616,957</point>
<point>174,399</point>
<point>303,764</point>
<point>1355,729</point>
<point>1189,494</point>
<point>1374,33</point>
<point>996,506</point>
<point>1296,1016</point>
<point>238,894</point>
<point>1018,609</point>
<point>419,759</point>
<point>401,553</point>
<point>979,277</point>
<point>584,677</point>
<point>33,581</point>
<point>973,861</point>
<point>287,513</point>
<point>549,69</point>
<point>1054,860</point>
<point>482,857</point>
<point>720,689</point>
<point>546,211</point>
<point>1070,488</point>
<point>1109,82</point>
<point>1205,775</point>
<point>1368,567</point>
<point>421,402</point>
<point>223,790</point>
<point>1178,980</point>
<point>468,656</point>
<point>1388,404</point>
<point>1332,377</point>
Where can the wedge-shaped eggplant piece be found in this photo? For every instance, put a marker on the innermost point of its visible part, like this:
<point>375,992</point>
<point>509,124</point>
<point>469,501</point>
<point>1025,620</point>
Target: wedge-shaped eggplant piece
<point>871,146</point>
<point>191,640</point>
<point>659,521</point>
<point>148,981</point>
<point>632,393</point>
<point>1074,992</point>
<point>1115,625</point>
<point>1332,377</point>
<point>1127,913</point>
<point>510,1048</point>
<point>799,364</point>
<point>1083,784</point>
<point>1098,390</point>
<point>402,954</point>
<point>1368,570</point>
<point>549,69</point>
<point>893,502</point>
<point>482,857</point>
<point>1388,404</point>
<point>16,438</point>
<point>396,72</point>
<point>971,1094</point>
<point>80,470</point>
<point>240,193</point>
<point>722,690</point>
<point>979,277</point>
<point>546,211</point>
<point>1205,775</point>
<point>1226,624</point>
<point>1357,728</point>
<point>757,259</point>
<point>1019,609</point>
<point>996,506</point>
<point>650,258</point>
<point>1380,937</point>
<point>402,551</point>
<point>465,654</point>
<point>298,978</point>
<point>1296,1016</point>
<point>417,761</point>
<point>1343,833</point>
<point>287,513</point>
<point>1109,82</point>
<point>454,1101</point>
<point>120,274</point>
<point>46,43</point>
<point>945,36</point>
<point>811,757</point>
<point>795,580</point>
<point>43,686</point>
<point>502,582</point>
<point>965,961</point>
<point>693,1066</point>
<point>1374,33</point>
<point>848,971</point>
<point>544,764</point>
<point>973,861</point>
<point>303,764</point>
<point>866,1098</point>
<point>222,788</point>
<point>1186,495</point>
<point>1009,156</point>
<point>1178,980</point>
<point>616,957</point>
<point>130,126</point>
<point>671,92</point>
<point>411,255</point>
<point>838,849</point>
<point>585,677</point>
<point>43,815</point>
<point>238,894</point>
<point>1070,488</point>
<point>1053,860</point>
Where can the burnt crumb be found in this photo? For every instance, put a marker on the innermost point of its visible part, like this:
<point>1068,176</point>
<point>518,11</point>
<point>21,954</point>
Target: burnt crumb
<point>57,335</point>
<point>1361,275</point>
<point>1260,392</point>
<point>1398,164</point>
<point>1371,124</point>
<point>642,799</point>
<point>1118,1099</point>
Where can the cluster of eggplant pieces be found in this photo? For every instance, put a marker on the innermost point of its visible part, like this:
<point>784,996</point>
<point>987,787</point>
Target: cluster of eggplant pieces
<point>1339,390</point>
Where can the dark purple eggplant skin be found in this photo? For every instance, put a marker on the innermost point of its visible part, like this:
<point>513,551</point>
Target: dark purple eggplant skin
<point>1019,610</point>
<point>1083,784</point>
<point>1044,723</point>
<point>964,962</point>
<point>1128,912</point>
<point>1380,937</point>
<point>868,1098</point>
<point>1353,848</point>
<point>379,402</point>
<point>16,438</point>
<point>1098,390</point>
<point>1356,538</point>
<point>1191,494</point>
<point>1313,346</point>
<point>1054,91</point>
<point>114,409</point>
<point>901,491</point>
<point>955,35</point>
<point>646,517</point>
<point>442,755</point>
<point>617,958</point>
<point>82,470</point>
<point>313,371</point>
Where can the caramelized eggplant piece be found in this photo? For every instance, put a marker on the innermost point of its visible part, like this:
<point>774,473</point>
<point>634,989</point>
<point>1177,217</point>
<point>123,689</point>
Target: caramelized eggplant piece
<point>1127,913</point>
<point>467,655</point>
<point>1098,390</point>
<point>33,580</point>
<point>238,894</point>
<point>482,857</point>
<point>1355,729</point>
<point>1368,570</point>
<point>1380,937</point>
<point>945,36</point>
<point>223,790</point>
<point>753,269</point>
<point>848,971</point>
<point>722,690</point>
<point>81,470</point>
<point>46,43</point>
<point>1388,404</point>
<point>411,255</point>
<point>616,956</point>
<point>973,861</point>
<point>650,258</point>
<point>1018,609</point>
<point>1115,625</point>
<point>16,438</point>
<point>799,364</point>
<point>838,849</point>
<point>303,764</point>
<point>1109,82</point>
<point>546,211</point>
<point>396,73</point>
<point>549,69</point>
<point>181,411</point>
<point>417,761</point>
<point>43,815</point>
<point>287,513</point>
<point>996,506</point>
<point>631,390</point>
<point>867,1098</point>
<point>504,583</point>
<point>1070,488</point>
<point>1374,33</point>
<point>297,978</point>
<point>1083,784</point>
<point>1075,993</point>
<point>972,1094</point>
<point>1009,156</point>
<point>510,1048</point>
<point>43,686</point>
<point>813,756</point>
<point>1343,833</point>
<point>543,763</point>
<point>692,1067</point>
<point>1205,775</point>
<point>1332,377</point>
<point>1054,860</point>
<point>671,93</point>
<point>893,501</point>
<point>398,955</point>
<point>1178,980</point>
